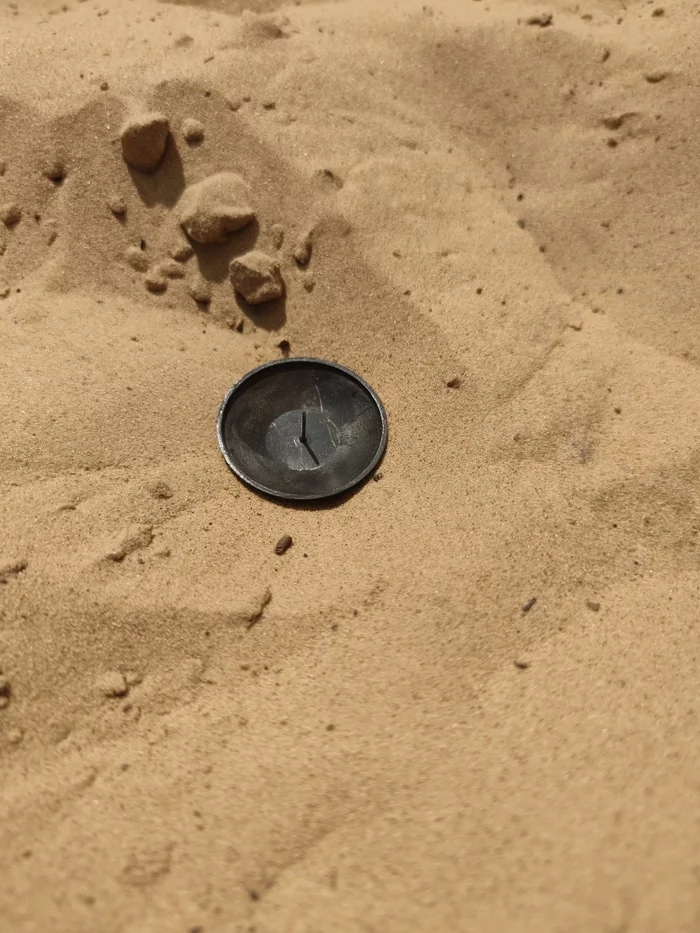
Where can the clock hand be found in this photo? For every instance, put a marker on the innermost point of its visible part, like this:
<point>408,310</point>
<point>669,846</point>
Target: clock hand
<point>303,439</point>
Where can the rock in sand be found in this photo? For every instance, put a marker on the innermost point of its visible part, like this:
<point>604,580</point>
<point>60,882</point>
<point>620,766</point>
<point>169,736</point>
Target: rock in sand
<point>144,138</point>
<point>215,207</point>
<point>257,277</point>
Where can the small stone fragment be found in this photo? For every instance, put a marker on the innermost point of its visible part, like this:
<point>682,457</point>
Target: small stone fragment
<point>592,605</point>
<point>10,213</point>
<point>522,665</point>
<point>257,277</point>
<point>277,234</point>
<point>284,543</point>
<point>182,252</point>
<point>112,684</point>
<point>5,691</point>
<point>655,77</point>
<point>51,232</point>
<point>193,131</point>
<point>171,269</point>
<point>156,282</point>
<point>11,568</point>
<point>529,604</point>
<point>200,290</point>
<point>144,138</point>
<point>55,170</point>
<point>302,251</point>
<point>133,678</point>
<point>3,167</point>
<point>308,281</point>
<point>454,383</point>
<point>137,259</point>
<point>4,289</point>
<point>160,490</point>
<point>117,205</point>
<point>541,19</point>
<point>215,207</point>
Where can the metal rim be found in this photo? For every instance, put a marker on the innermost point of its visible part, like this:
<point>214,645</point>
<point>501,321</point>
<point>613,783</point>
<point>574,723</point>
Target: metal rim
<point>249,481</point>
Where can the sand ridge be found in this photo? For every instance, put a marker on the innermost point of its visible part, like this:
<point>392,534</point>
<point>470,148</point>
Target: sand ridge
<point>465,697</point>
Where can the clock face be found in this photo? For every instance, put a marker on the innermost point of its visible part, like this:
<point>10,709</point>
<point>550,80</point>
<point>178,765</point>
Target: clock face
<point>302,428</point>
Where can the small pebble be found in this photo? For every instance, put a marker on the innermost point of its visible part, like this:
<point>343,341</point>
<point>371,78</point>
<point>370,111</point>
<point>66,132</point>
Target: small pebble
<point>117,205</point>
<point>529,604</point>
<point>10,213</point>
<point>4,289</point>
<point>308,281</point>
<point>521,665</point>
<point>104,85</point>
<point>3,167</point>
<point>211,209</point>
<point>112,684</point>
<point>454,383</point>
<point>171,269</point>
<point>193,131</point>
<point>182,252</point>
<point>55,170</point>
<point>277,235</point>
<point>284,543</point>
<point>302,251</point>
<point>144,138</point>
<point>200,290</point>
<point>257,277</point>
<point>592,605</point>
<point>160,490</point>
<point>137,259</point>
<point>155,282</point>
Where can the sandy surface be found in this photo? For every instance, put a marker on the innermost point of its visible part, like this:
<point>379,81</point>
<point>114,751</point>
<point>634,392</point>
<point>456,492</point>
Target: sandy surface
<point>396,745</point>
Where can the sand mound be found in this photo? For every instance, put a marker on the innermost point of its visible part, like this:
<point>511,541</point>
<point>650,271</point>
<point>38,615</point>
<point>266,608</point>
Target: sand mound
<point>463,698</point>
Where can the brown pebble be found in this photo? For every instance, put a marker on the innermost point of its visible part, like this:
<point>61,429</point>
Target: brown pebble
<point>144,138</point>
<point>112,684</point>
<point>182,252</point>
<point>3,167</point>
<point>193,131</point>
<point>214,207</point>
<point>522,665</point>
<point>377,477</point>
<point>277,235</point>
<point>117,205</point>
<point>155,282</point>
<point>104,85</point>
<point>284,347</point>
<point>200,290</point>
<point>302,251</point>
<point>10,213</point>
<point>137,259</point>
<point>308,281</point>
<point>592,605</point>
<point>160,490</point>
<point>4,289</point>
<point>284,543</point>
<point>256,277</point>
<point>659,11</point>
<point>5,689</point>
<point>654,77</point>
<point>454,383</point>
<point>529,604</point>
<point>171,269</point>
<point>541,19</point>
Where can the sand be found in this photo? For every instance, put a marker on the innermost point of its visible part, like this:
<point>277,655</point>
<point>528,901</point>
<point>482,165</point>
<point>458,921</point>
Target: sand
<point>466,697</point>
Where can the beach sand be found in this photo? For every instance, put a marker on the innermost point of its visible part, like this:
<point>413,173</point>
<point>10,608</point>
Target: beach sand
<point>466,697</point>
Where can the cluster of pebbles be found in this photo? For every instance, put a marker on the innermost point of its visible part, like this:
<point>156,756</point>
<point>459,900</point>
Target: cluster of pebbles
<point>208,212</point>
